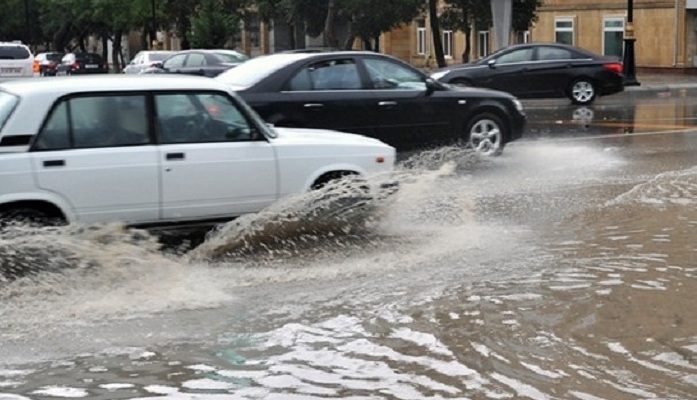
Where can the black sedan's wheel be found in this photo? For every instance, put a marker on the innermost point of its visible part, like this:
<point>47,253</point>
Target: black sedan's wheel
<point>486,134</point>
<point>582,91</point>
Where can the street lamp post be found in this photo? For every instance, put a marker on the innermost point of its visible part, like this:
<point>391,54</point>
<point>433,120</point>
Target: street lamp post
<point>628,62</point>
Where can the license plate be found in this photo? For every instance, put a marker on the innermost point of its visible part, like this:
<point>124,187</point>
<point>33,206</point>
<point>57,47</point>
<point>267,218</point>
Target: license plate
<point>91,66</point>
<point>11,71</point>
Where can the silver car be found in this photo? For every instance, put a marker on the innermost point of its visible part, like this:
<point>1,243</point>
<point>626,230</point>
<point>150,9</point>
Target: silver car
<point>146,59</point>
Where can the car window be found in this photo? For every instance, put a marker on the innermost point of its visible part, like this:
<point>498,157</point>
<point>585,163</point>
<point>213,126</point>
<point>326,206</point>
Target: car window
<point>14,52</point>
<point>200,118</point>
<point>158,56</point>
<point>96,121</point>
<point>175,61</point>
<point>253,71</point>
<point>196,60</point>
<point>553,53</point>
<point>340,74</point>
<point>7,104</point>
<point>515,56</point>
<point>385,74</point>
<point>231,57</point>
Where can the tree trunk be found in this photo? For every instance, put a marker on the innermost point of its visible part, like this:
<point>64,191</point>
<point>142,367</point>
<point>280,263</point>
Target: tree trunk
<point>468,46</point>
<point>329,35</point>
<point>59,37</point>
<point>435,32</point>
<point>105,50</point>
<point>116,51</point>
<point>350,37</point>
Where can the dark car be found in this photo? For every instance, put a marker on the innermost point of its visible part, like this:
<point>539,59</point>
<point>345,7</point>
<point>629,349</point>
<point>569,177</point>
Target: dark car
<point>541,70</point>
<point>205,62</point>
<point>82,63</point>
<point>48,62</point>
<point>375,95</point>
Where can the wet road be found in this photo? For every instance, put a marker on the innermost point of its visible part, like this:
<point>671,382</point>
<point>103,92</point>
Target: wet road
<point>565,269</point>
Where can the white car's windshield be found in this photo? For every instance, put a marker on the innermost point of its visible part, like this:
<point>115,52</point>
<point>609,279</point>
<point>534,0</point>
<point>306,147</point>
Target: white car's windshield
<point>254,70</point>
<point>7,104</point>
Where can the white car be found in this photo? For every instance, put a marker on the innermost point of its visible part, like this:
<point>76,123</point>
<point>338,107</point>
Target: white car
<point>149,150</point>
<point>146,59</point>
<point>16,61</point>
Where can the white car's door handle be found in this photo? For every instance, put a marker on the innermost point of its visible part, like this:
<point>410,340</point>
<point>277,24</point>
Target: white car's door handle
<point>387,103</point>
<point>54,163</point>
<point>313,105</point>
<point>175,156</point>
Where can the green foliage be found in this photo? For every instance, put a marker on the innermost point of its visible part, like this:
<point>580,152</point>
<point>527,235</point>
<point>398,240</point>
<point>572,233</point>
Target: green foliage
<point>213,26</point>
<point>371,18</point>
<point>462,15</point>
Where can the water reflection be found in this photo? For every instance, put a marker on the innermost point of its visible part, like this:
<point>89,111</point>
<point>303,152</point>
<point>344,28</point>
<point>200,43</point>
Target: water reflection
<point>626,116</point>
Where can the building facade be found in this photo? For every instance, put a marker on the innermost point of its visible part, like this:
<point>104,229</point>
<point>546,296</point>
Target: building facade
<point>665,32</point>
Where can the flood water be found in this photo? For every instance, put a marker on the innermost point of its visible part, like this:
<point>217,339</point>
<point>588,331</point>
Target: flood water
<point>564,269</point>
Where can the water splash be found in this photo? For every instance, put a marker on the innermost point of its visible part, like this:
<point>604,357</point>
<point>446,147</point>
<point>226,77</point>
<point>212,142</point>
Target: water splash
<point>339,212</point>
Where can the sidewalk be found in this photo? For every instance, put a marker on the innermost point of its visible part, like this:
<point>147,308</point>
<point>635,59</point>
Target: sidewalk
<point>663,83</point>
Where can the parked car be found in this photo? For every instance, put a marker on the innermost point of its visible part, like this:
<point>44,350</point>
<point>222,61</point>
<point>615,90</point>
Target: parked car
<point>541,70</point>
<point>375,95</point>
<point>16,61</point>
<point>206,62</point>
<point>82,63</point>
<point>146,59</point>
<point>149,150</point>
<point>48,63</point>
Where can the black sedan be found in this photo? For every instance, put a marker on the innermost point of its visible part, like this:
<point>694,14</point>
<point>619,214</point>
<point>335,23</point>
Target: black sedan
<point>82,63</point>
<point>204,62</point>
<point>375,95</point>
<point>541,70</point>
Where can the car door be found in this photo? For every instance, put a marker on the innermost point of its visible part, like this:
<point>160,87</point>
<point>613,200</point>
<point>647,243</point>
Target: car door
<point>74,157</point>
<point>328,93</point>
<point>552,72</point>
<point>407,112</point>
<point>195,64</point>
<point>175,63</point>
<point>215,163</point>
<point>510,72</point>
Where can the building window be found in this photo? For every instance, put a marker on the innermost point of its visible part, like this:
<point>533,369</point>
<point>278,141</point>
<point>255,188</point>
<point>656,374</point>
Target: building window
<point>448,44</point>
<point>613,36</point>
<point>523,37</point>
<point>564,30</point>
<point>483,44</point>
<point>421,36</point>
<point>254,31</point>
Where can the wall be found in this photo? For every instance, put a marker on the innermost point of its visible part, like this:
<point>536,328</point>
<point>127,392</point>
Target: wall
<point>660,36</point>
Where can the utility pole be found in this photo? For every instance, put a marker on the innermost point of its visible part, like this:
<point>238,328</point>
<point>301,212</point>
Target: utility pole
<point>629,65</point>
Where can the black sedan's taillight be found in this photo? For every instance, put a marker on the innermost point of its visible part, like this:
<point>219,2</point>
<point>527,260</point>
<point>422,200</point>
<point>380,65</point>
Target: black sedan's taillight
<point>613,67</point>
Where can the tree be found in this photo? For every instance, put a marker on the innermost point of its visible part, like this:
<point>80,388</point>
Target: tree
<point>466,15</point>
<point>435,32</point>
<point>368,19</point>
<point>213,26</point>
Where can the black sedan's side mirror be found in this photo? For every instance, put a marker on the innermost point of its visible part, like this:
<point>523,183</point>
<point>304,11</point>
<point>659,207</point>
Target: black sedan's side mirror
<point>491,63</point>
<point>431,86</point>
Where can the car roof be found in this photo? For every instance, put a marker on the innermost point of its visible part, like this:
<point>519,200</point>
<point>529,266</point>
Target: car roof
<point>104,83</point>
